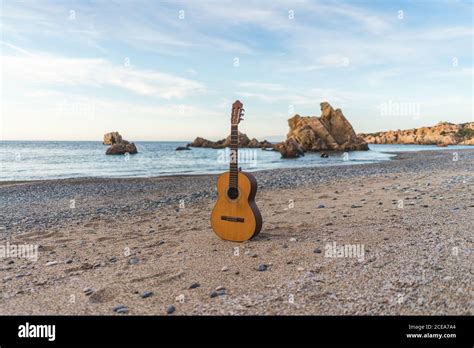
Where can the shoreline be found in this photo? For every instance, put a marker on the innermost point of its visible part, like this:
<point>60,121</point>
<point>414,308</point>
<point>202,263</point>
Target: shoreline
<point>396,156</point>
<point>126,237</point>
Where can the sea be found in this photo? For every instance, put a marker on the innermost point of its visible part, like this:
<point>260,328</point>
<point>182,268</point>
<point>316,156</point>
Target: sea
<point>43,160</point>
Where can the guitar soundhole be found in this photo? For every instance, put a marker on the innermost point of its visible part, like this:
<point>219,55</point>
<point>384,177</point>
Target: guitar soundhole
<point>233,192</point>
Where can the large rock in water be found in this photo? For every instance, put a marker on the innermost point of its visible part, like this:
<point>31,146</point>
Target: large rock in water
<point>330,131</point>
<point>112,138</point>
<point>442,134</point>
<point>244,141</point>
<point>289,149</point>
<point>118,145</point>
<point>122,148</point>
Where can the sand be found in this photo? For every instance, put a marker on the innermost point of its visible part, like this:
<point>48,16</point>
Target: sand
<point>121,238</point>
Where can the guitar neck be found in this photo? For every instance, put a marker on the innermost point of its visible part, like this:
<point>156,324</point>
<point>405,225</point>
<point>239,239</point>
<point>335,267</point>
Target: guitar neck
<point>234,146</point>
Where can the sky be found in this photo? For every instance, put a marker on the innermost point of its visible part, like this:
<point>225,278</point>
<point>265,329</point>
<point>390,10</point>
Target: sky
<point>170,70</point>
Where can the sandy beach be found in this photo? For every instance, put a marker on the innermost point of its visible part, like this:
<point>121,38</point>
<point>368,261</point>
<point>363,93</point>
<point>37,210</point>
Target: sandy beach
<point>146,244</point>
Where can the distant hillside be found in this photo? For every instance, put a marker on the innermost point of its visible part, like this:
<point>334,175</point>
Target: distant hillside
<point>442,134</point>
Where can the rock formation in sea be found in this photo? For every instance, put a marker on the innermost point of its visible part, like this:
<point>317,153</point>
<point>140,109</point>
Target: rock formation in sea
<point>182,148</point>
<point>442,134</point>
<point>118,146</point>
<point>112,138</point>
<point>244,141</point>
<point>330,131</point>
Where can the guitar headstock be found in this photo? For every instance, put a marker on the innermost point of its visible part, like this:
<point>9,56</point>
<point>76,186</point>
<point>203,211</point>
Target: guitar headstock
<point>237,113</point>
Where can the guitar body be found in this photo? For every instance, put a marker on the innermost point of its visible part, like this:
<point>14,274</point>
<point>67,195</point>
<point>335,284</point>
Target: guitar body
<point>236,219</point>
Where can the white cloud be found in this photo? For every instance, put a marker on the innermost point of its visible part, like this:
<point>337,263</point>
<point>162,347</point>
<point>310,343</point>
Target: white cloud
<point>45,69</point>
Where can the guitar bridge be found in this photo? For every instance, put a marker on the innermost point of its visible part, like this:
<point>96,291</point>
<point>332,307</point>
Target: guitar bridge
<point>232,218</point>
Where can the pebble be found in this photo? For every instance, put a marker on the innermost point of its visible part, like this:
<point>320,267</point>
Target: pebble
<point>51,263</point>
<point>121,309</point>
<point>147,294</point>
<point>216,293</point>
<point>321,206</point>
<point>195,285</point>
<point>317,251</point>
<point>69,261</point>
<point>87,291</point>
<point>262,267</point>
<point>170,309</point>
<point>224,269</point>
<point>133,261</point>
<point>300,269</point>
<point>292,239</point>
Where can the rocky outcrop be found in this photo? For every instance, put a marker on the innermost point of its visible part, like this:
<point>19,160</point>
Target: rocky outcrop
<point>442,134</point>
<point>112,138</point>
<point>122,148</point>
<point>183,148</point>
<point>244,142</point>
<point>330,131</point>
<point>289,149</point>
<point>118,145</point>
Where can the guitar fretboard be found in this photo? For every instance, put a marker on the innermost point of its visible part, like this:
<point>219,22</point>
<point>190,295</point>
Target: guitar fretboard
<point>234,145</point>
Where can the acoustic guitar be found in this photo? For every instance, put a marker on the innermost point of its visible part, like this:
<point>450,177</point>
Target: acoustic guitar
<point>235,216</point>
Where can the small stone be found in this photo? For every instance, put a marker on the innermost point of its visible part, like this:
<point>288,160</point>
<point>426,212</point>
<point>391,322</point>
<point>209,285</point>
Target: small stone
<point>329,224</point>
<point>147,294</point>
<point>51,263</point>
<point>121,309</point>
<point>213,294</point>
<point>170,309</point>
<point>300,269</point>
<point>292,239</point>
<point>285,246</point>
<point>87,291</point>
<point>113,259</point>
<point>68,261</point>
<point>195,285</point>
<point>386,238</point>
<point>321,206</point>
<point>133,261</point>
<point>224,269</point>
<point>219,288</point>
<point>317,251</point>
<point>262,267</point>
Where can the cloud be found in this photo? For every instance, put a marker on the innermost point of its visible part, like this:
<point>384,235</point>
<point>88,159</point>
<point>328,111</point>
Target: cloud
<point>271,93</point>
<point>46,69</point>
